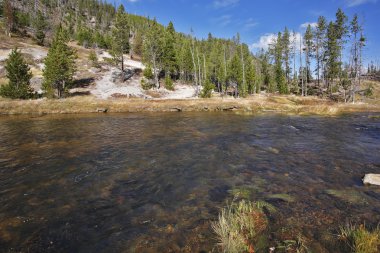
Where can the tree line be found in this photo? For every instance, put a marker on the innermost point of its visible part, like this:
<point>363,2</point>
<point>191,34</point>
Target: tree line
<point>211,64</point>
<point>324,45</point>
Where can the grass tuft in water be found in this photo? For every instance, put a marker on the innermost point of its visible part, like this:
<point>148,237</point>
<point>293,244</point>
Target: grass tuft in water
<point>283,196</point>
<point>360,239</point>
<point>298,245</point>
<point>349,195</point>
<point>240,225</point>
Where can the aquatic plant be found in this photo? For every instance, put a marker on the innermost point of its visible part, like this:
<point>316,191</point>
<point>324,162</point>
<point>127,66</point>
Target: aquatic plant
<point>240,224</point>
<point>360,239</point>
<point>349,195</point>
<point>298,245</point>
<point>243,192</point>
<point>282,196</point>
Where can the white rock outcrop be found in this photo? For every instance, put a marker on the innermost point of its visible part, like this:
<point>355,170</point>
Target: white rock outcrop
<point>372,179</point>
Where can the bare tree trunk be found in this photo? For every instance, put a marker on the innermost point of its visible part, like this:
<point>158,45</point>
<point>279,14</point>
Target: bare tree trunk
<point>301,70</point>
<point>199,69</point>
<point>318,63</point>
<point>155,72</point>
<point>204,68</point>
<point>243,66</point>
<point>294,56</point>
<point>122,62</point>
<point>225,69</point>
<point>307,63</point>
<point>195,68</point>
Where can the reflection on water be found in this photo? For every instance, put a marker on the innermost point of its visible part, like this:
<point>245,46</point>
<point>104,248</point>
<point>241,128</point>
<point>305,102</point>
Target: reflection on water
<point>153,182</point>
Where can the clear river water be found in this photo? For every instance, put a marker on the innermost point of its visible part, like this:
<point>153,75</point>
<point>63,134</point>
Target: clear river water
<point>155,182</point>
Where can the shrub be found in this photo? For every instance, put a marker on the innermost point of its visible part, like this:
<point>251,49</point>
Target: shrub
<point>146,85</point>
<point>360,239</point>
<point>148,73</point>
<point>369,91</point>
<point>94,59</point>
<point>240,224</point>
<point>169,83</point>
<point>207,89</point>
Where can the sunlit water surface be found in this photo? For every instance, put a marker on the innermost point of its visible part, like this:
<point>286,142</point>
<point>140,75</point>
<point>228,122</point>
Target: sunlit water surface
<point>154,182</point>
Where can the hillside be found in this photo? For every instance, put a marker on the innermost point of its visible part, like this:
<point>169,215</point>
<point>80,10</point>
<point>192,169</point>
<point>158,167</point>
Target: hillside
<point>154,54</point>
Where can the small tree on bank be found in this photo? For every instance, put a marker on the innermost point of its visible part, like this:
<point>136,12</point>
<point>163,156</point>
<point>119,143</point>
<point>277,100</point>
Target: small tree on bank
<point>19,75</point>
<point>120,34</point>
<point>59,66</point>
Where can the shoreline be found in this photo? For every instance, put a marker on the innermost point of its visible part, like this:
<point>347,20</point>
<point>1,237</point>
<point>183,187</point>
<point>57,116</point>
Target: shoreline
<point>253,104</point>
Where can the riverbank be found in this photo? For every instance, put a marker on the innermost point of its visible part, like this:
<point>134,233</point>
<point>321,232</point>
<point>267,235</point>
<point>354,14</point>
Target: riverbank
<point>253,104</point>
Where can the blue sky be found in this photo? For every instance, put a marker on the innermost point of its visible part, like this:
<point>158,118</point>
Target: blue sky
<point>257,20</point>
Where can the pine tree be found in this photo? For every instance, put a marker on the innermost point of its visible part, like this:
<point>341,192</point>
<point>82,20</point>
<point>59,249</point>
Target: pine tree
<point>286,54</point>
<point>93,58</point>
<point>19,75</point>
<point>235,74</point>
<point>277,51</point>
<point>341,31</point>
<point>332,54</point>
<point>308,43</point>
<point>8,17</point>
<point>320,37</point>
<point>266,72</point>
<point>153,49</point>
<point>40,26</point>
<point>208,87</point>
<point>138,44</point>
<point>251,77</point>
<point>59,66</point>
<point>169,53</point>
<point>355,29</point>
<point>120,34</point>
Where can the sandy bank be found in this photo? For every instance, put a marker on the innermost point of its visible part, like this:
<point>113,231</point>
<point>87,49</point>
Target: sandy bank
<point>254,104</point>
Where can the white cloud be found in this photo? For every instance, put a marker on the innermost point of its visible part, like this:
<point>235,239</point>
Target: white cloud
<point>305,25</point>
<point>225,3</point>
<point>352,3</point>
<point>269,38</point>
<point>264,41</point>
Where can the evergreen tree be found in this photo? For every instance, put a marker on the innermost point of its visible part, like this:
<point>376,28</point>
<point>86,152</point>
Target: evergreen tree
<point>153,49</point>
<point>355,29</point>
<point>120,34</point>
<point>308,43</point>
<point>251,77</point>
<point>320,37</point>
<point>279,72</point>
<point>208,87</point>
<point>266,72</point>
<point>19,75</point>
<point>169,53</point>
<point>94,59</point>
<point>138,44</point>
<point>333,54</point>
<point>40,26</point>
<point>341,31</point>
<point>235,74</point>
<point>9,17</point>
<point>286,54</point>
<point>59,65</point>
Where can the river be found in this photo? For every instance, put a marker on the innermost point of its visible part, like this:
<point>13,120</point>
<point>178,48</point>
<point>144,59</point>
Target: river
<point>154,182</point>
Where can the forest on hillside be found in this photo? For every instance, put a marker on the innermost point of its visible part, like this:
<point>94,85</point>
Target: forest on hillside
<point>211,64</point>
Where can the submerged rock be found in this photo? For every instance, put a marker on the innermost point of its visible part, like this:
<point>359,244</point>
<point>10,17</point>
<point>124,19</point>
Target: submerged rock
<point>372,179</point>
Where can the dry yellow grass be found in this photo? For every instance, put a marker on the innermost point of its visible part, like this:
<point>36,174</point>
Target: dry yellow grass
<point>253,104</point>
